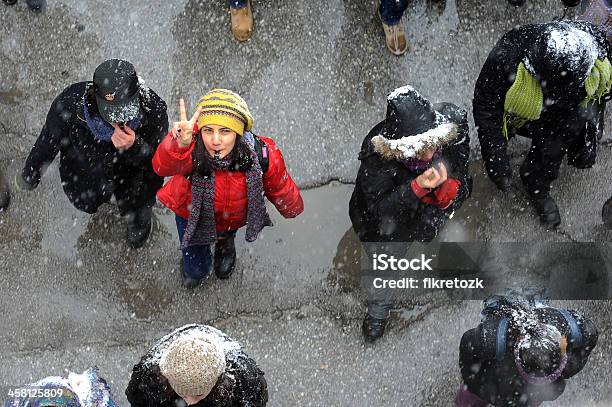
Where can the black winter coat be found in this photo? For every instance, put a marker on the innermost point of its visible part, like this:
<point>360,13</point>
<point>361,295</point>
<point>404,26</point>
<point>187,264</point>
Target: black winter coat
<point>241,385</point>
<point>91,170</point>
<point>564,122</point>
<point>383,206</point>
<point>499,382</point>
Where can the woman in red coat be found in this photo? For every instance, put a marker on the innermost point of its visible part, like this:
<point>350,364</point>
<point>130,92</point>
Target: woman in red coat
<point>219,179</point>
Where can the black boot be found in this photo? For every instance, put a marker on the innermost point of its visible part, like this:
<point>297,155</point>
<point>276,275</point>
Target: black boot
<point>188,282</point>
<point>373,328</point>
<point>606,213</point>
<point>547,210</point>
<point>225,257</point>
<point>139,227</point>
<point>35,5</point>
<point>5,193</point>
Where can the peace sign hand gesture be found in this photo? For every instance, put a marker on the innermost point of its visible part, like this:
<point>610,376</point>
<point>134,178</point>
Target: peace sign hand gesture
<point>182,131</point>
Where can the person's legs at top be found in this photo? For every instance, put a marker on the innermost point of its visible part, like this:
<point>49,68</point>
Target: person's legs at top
<point>5,194</point>
<point>196,260</point>
<point>391,12</point>
<point>241,15</point>
<point>606,213</point>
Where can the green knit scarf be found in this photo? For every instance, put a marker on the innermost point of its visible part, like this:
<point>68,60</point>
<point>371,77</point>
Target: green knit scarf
<point>524,100</point>
<point>598,82</point>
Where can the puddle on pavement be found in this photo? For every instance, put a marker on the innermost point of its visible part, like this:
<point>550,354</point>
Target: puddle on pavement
<point>11,97</point>
<point>144,301</point>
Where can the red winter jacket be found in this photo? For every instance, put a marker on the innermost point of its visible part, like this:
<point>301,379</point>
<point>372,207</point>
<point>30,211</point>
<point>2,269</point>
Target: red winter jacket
<point>170,159</point>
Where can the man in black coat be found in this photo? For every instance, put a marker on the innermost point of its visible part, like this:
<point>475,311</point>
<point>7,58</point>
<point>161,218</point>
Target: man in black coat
<point>542,81</point>
<point>198,365</point>
<point>521,354</point>
<point>413,176</point>
<point>107,132</point>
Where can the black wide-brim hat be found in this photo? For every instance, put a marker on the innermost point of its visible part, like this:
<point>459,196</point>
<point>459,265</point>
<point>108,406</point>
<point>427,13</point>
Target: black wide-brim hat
<point>117,91</point>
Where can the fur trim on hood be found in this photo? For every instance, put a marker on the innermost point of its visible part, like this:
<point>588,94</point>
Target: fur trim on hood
<point>413,146</point>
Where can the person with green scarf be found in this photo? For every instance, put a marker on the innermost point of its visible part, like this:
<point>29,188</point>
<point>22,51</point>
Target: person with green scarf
<point>548,82</point>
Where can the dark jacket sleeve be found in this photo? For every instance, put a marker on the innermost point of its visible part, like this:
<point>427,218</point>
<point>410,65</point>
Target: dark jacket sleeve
<point>457,155</point>
<point>145,388</point>
<point>243,384</point>
<point>496,77</point>
<point>577,358</point>
<point>48,143</point>
<point>383,196</point>
<point>149,136</point>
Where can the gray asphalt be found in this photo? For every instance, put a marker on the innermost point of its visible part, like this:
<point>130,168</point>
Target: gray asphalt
<point>315,76</point>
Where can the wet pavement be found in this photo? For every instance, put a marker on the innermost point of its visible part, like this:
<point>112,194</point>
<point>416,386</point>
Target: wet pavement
<point>315,75</point>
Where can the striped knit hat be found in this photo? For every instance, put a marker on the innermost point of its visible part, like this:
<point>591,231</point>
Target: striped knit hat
<point>225,108</point>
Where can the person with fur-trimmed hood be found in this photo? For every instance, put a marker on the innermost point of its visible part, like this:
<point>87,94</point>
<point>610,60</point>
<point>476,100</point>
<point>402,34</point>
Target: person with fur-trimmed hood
<point>547,82</point>
<point>87,389</point>
<point>413,176</point>
<point>522,353</point>
<point>200,366</point>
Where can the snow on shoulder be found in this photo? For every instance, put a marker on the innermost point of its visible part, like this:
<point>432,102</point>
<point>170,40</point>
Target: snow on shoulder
<point>571,43</point>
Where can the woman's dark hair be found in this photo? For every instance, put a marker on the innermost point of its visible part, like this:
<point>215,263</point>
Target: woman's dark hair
<point>240,157</point>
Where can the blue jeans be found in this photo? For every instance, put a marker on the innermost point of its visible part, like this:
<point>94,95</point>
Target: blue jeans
<point>391,11</point>
<point>196,259</point>
<point>237,3</point>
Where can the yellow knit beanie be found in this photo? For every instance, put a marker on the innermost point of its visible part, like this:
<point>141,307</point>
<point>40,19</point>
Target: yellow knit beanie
<point>225,108</point>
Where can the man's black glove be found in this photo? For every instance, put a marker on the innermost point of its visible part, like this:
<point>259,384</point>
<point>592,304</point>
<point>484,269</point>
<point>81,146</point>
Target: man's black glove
<point>503,183</point>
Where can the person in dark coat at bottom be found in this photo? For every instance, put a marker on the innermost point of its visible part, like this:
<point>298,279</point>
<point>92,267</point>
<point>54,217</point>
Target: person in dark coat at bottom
<point>107,132</point>
<point>547,82</point>
<point>200,366</point>
<point>413,176</point>
<point>522,353</point>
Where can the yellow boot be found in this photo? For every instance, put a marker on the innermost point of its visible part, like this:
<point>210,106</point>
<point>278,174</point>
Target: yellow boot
<point>242,22</point>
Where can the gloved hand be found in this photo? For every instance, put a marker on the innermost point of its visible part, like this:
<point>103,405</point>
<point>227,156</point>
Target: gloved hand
<point>22,185</point>
<point>444,195</point>
<point>503,183</point>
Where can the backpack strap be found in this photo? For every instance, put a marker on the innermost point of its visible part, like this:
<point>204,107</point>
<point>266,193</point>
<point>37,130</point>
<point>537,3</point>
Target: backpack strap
<point>263,154</point>
<point>494,338</point>
<point>576,335</point>
<point>501,338</point>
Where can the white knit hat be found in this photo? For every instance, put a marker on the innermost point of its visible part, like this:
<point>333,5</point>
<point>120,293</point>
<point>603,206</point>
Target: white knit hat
<point>193,365</point>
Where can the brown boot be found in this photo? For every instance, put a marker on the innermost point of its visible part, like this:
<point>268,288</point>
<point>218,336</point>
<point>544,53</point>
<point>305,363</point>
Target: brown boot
<point>242,22</point>
<point>396,38</point>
